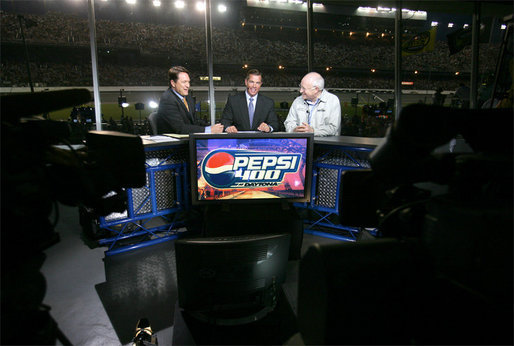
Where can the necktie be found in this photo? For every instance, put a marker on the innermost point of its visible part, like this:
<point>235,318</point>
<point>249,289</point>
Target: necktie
<point>185,102</point>
<point>251,110</point>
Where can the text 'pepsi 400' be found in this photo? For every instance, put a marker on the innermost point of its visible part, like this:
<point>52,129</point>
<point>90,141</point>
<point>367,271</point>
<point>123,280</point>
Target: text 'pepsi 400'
<point>226,168</point>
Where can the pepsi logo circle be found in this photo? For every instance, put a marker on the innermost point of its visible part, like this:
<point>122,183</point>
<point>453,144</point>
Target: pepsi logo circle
<point>217,169</point>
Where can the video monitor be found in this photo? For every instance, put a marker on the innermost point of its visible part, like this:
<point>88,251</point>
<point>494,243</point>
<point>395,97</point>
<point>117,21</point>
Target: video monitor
<point>250,167</point>
<point>231,280</point>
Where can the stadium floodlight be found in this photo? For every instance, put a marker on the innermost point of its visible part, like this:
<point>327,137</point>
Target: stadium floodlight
<point>180,4</point>
<point>450,25</point>
<point>131,2</point>
<point>200,6</point>
<point>222,8</point>
<point>157,3</point>
<point>152,104</point>
<point>434,24</point>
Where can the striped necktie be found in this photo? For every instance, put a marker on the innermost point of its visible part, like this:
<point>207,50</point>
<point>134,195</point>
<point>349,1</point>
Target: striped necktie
<point>185,102</point>
<point>251,110</point>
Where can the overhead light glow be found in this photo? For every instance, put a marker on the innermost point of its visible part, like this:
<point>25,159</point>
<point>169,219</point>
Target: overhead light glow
<point>157,3</point>
<point>222,8</point>
<point>132,2</point>
<point>503,27</point>
<point>125,104</point>
<point>434,24</point>
<point>152,104</point>
<point>450,25</point>
<point>465,26</point>
<point>200,6</point>
<point>180,4</point>
<point>387,12</point>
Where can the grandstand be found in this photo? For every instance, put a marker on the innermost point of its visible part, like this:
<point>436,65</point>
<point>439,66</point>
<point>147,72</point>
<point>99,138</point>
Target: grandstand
<point>137,53</point>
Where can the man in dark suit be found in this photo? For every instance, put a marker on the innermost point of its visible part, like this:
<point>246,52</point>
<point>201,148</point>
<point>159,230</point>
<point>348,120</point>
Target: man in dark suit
<point>248,110</point>
<point>176,112</point>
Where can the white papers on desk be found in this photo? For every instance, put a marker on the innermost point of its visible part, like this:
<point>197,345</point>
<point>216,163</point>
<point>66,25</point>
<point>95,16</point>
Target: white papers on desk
<point>160,139</point>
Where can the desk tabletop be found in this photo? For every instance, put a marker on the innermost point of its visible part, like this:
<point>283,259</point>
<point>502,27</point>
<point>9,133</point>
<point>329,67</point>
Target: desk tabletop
<point>350,141</point>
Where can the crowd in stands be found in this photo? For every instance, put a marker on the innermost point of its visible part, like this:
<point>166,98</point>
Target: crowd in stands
<point>178,43</point>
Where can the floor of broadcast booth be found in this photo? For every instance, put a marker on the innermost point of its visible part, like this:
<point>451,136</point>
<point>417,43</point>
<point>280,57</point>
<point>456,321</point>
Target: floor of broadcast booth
<point>98,299</point>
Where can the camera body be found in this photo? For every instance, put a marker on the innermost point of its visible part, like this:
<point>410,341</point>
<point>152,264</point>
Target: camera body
<point>36,174</point>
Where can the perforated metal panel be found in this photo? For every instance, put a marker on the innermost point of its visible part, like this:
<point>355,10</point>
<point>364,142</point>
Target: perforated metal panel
<point>328,178</point>
<point>327,187</point>
<point>165,192</point>
<point>141,202</point>
<point>346,158</point>
<point>166,156</point>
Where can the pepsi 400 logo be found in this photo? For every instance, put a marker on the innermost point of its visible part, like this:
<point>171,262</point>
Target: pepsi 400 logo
<point>224,168</point>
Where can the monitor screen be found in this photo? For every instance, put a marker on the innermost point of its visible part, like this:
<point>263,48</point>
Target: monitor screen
<point>250,167</point>
<point>231,280</point>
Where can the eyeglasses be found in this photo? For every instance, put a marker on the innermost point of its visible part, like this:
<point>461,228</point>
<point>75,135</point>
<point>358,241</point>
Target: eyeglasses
<point>302,88</point>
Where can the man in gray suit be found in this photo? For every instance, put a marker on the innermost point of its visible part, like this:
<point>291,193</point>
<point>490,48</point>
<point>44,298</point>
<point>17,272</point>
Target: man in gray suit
<point>176,112</point>
<point>248,110</point>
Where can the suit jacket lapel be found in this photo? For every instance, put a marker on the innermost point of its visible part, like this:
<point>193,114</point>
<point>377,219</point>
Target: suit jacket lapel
<point>189,115</point>
<point>244,109</point>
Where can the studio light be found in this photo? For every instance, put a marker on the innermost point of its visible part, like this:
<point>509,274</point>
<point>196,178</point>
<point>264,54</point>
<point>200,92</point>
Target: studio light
<point>200,6</point>
<point>122,100</point>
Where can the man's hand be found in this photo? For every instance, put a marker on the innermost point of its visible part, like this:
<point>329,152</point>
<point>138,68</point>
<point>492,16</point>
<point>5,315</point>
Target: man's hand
<point>231,129</point>
<point>217,128</point>
<point>263,127</point>
<point>304,127</point>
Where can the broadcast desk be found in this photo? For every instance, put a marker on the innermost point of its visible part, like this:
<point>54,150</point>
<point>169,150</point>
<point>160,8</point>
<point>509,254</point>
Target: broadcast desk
<point>152,214</point>
<point>154,211</point>
<point>332,156</point>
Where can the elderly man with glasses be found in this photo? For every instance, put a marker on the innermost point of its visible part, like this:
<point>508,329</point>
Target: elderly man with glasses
<point>315,110</point>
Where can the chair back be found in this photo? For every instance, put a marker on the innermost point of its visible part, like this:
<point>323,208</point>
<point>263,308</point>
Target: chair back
<point>152,120</point>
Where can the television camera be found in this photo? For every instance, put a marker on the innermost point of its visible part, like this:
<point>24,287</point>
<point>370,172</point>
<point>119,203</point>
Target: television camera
<point>37,172</point>
<point>448,217</point>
